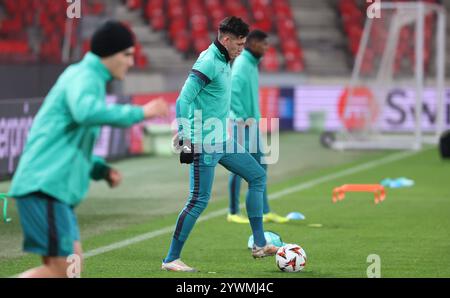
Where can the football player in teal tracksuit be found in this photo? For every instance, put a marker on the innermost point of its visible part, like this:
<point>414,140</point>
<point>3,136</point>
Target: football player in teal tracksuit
<point>202,108</point>
<point>53,174</point>
<point>245,114</point>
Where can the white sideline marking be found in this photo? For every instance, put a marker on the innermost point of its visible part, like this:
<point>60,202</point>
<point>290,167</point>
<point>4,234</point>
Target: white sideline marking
<point>274,196</point>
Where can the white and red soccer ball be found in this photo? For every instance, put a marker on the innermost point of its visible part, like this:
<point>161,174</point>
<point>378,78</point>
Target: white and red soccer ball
<point>291,258</point>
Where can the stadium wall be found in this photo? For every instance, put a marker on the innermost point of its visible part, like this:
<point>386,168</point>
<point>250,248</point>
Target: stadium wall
<point>26,81</point>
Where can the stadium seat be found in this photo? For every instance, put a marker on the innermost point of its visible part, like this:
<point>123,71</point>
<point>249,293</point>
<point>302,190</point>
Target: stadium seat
<point>201,44</point>
<point>270,63</point>
<point>189,25</point>
<point>46,17</point>
<point>183,41</point>
<point>134,4</point>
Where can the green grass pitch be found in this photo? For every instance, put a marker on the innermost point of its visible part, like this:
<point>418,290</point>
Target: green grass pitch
<point>409,231</point>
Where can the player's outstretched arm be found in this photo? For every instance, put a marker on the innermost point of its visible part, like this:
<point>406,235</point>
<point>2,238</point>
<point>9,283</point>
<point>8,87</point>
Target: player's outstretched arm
<point>88,108</point>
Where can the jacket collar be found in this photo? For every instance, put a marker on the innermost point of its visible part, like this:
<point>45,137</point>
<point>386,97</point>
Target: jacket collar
<point>222,51</point>
<point>256,59</point>
<point>94,62</point>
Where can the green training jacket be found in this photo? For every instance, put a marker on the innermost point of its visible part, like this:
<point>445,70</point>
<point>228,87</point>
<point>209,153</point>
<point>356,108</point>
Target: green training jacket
<point>207,89</point>
<point>245,87</point>
<point>57,158</point>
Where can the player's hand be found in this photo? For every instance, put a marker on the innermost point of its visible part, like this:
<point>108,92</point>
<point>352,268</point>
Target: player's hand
<point>156,108</point>
<point>114,178</point>
<point>176,143</point>
<point>179,144</point>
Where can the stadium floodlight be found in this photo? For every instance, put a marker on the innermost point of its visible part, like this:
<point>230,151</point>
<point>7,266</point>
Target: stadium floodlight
<point>403,49</point>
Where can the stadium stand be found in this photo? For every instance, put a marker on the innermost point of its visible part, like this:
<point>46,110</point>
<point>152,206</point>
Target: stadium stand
<point>26,18</point>
<point>22,23</point>
<point>301,32</point>
<point>189,25</point>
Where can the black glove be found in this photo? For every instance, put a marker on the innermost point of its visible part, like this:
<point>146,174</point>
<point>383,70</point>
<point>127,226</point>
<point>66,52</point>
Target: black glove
<point>187,152</point>
<point>185,148</point>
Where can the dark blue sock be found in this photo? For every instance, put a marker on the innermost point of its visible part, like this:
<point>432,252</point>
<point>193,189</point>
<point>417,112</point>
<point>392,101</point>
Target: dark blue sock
<point>234,186</point>
<point>258,232</point>
<point>174,251</point>
<point>266,207</point>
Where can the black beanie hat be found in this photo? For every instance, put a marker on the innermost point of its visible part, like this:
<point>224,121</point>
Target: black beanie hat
<point>111,38</point>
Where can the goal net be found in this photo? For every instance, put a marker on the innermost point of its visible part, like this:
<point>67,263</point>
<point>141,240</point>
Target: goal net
<point>400,61</point>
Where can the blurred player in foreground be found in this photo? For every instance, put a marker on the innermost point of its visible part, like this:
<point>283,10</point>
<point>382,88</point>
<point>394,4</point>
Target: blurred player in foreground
<point>54,170</point>
<point>246,114</point>
<point>205,99</point>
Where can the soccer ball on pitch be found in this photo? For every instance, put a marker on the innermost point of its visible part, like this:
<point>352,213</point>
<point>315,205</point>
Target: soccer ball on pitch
<point>291,258</point>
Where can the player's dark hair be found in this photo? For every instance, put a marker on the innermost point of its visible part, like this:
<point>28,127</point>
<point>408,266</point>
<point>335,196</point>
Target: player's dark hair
<point>234,25</point>
<point>256,35</point>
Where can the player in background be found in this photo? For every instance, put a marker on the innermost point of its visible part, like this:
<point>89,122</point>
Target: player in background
<point>245,115</point>
<point>57,162</point>
<point>205,98</point>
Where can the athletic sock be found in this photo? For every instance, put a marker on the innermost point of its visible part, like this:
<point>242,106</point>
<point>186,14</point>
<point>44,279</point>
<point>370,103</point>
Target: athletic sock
<point>174,251</point>
<point>258,233</point>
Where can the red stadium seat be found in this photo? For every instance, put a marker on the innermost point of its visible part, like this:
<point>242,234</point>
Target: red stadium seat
<point>45,16</point>
<point>189,24</point>
<point>158,22</point>
<point>183,41</point>
<point>270,62</point>
<point>14,47</point>
<point>201,44</point>
<point>134,4</point>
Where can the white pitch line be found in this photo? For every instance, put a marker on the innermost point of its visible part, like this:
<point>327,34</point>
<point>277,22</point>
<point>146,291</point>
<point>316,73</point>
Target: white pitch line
<point>274,196</point>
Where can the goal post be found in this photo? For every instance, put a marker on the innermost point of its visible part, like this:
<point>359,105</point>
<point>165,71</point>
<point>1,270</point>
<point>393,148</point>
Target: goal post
<point>403,49</point>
